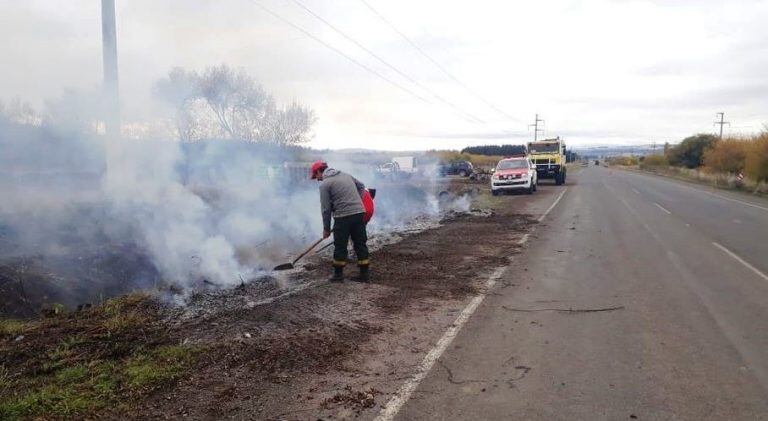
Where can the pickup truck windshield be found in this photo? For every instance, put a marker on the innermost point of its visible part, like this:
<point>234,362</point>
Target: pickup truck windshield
<point>512,164</point>
<point>543,147</point>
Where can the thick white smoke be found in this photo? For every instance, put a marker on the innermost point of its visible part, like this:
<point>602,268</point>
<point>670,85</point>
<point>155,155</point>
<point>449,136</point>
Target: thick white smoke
<point>90,219</point>
<point>217,213</point>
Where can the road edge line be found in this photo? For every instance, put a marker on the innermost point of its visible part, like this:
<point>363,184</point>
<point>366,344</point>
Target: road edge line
<point>662,208</point>
<point>693,185</point>
<point>740,260</point>
<point>546,212</point>
<point>403,394</point>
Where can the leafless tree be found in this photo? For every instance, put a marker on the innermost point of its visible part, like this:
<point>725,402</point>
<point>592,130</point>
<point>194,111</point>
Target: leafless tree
<point>20,112</point>
<point>236,99</point>
<point>180,89</point>
<point>74,112</point>
<point>290,125</point>
<point>227,103</point>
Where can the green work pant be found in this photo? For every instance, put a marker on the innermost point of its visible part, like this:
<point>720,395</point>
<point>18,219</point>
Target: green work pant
<point>345,228</point>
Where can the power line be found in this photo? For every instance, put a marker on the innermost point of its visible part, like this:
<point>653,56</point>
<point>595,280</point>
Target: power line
<point>438,65</point>
<point>381,60</point>
<point>339,52</point>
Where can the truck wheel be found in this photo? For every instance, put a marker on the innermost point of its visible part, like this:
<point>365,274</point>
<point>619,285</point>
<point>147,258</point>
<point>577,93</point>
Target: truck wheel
<point>534,185</point>
<point>558,179</point>
<point>494,192</point>
<point>530,189</point>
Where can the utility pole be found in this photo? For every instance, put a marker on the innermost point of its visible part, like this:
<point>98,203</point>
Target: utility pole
<point>109,50</point>
<point>721,123</point>
<point>536,129</point>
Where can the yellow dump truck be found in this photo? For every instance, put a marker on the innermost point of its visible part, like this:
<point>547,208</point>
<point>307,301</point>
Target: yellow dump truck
<point>548,156</point>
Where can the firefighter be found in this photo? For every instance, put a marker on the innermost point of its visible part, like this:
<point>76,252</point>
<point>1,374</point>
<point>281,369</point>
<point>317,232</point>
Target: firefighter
<point>341,196</point>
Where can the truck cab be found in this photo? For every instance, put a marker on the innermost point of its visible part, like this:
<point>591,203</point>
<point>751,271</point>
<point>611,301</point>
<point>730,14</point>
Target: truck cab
<point>548,156</point>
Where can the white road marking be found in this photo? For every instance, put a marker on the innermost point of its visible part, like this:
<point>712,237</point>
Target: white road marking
<point>740,260</point>
<point>544,215</point>
<point>663,208</point>
<point>635,190</point>
<point>393,406</point>
<point>711,194</point>
<point>734,200</point>
<point>404,393</point>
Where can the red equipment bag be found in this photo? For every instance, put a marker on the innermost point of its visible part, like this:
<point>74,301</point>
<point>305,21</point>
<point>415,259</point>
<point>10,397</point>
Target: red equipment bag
<point>368,205</point>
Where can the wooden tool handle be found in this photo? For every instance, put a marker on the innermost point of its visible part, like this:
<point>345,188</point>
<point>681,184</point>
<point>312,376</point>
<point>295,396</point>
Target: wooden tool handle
<point>303,253</point>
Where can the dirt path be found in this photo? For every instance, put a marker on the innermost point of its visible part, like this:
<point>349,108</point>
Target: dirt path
<point>330,351</point>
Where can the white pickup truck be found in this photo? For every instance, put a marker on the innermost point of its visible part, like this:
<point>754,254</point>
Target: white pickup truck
<point>516,173</point>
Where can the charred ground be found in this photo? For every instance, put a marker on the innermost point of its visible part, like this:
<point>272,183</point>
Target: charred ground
<point>291,347</point>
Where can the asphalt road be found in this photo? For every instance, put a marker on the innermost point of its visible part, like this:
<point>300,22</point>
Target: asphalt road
<point>679,274</point>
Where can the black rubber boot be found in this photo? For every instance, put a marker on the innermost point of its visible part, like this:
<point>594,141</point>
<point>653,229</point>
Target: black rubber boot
<point>338,274</point>
<point>364,275</point>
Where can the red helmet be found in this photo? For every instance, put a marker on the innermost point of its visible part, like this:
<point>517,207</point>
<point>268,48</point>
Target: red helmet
<point>317,165</point>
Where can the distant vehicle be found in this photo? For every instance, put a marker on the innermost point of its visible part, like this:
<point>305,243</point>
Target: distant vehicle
<point>405,163</point>
<point>515,173</point>
<point>584,163</point>
<point>390,171</point>
<point>460,168</point>
<point>401,168</point>
<point>549,157</point>
<point>597,162</point>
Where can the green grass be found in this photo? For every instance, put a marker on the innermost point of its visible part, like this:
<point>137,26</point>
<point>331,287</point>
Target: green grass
<point>12,327</point>
<point>76,365</point>
<point>69,392</point>
<point>162,365</point>
<point>82,388</point>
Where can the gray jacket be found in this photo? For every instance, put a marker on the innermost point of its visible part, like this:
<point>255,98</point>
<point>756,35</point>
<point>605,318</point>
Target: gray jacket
<point>340,196</point>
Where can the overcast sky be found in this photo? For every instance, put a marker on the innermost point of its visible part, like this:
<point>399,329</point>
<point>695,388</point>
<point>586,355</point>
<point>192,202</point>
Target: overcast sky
<point>598,72</point>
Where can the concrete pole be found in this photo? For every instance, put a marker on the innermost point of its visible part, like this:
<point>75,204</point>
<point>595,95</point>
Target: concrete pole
<point>111,94</point>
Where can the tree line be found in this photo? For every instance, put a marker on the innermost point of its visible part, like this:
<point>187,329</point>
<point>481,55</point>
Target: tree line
<point>495,150</point>
<point>747,156</point>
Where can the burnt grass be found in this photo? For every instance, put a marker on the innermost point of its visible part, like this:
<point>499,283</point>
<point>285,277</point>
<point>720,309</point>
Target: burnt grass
<point>240,361</point>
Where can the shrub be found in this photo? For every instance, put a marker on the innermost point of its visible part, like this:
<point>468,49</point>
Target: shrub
<point>690,152</point>
<point>654,161</point>
<point>623,160</point>
<point>756,162</point>
<point>727,156</point>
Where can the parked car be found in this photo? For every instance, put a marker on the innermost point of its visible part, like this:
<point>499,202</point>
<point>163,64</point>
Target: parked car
<point>460,168</point>
<point>517,173</point>
<point>391,171</point>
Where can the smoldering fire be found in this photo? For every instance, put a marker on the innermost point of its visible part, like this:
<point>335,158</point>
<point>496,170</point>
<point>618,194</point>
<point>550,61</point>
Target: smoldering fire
<point>81,221</point>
